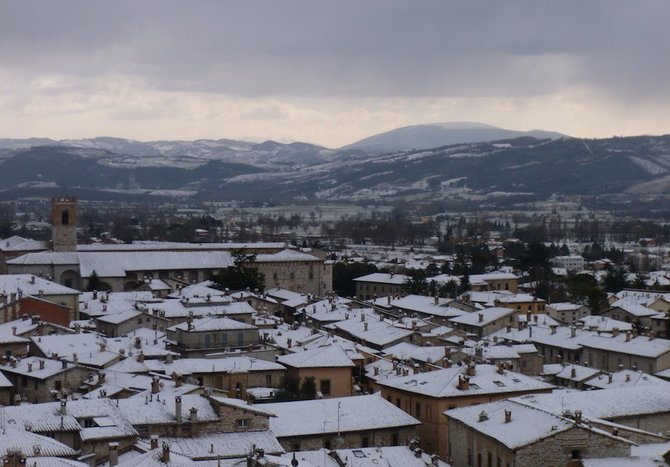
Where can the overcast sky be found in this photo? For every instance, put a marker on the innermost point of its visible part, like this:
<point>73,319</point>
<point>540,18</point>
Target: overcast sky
<point>330,72</point>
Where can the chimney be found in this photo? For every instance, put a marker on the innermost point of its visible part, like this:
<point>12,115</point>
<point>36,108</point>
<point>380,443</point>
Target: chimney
<point>416,369</point>
<point>32,279</point>
<point>501,368</point>
<point>193,415</point>
<point>483,416</point>
<point>113,454</point>
<point>436,300</point>
<point>573,373</point>
<point>37,450</point>
<point>627,336</point>
<point>388,300</point>
<point>480,317</point>
<point>75,359</point>
<point>615,332</point>
<point>63,364</point>
<point>553,329</point>
<point>77,328</point>
<point>177,409</point>
<point>470,369</point>
<point>17,399</point>
<point>609,378</point>
<point>103,346</point>
<point>101,378</point>
<point>165,455</point>
<point>30,367</point>
<point>168,358</point>
<point>63,406</point>
<point>463,383</point>
<point>140,356</point>
<point>14,330</point>
<point>578,416</point>
<point>573,331</point>
<point>376,371</point>
<point>138,342</point>
<point>627,377</point>
<point>12,362</point>
<point>365,327</point>
<point>41,364</point>
<point>509,328</point>
<point>508,416</point>
<point>154,441</point>
<point>530,331</point>
<point>155,385</point>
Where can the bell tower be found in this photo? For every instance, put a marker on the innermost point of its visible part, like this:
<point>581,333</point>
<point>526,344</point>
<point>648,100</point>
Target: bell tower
<point>64,224</point>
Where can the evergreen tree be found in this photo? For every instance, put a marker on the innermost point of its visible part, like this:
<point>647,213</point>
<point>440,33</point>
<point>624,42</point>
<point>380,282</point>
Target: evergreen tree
<point>241,275</point>
<point>94,282</point>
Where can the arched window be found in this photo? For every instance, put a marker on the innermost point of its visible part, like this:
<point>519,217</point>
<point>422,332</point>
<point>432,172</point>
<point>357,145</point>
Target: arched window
<point>65,217</point>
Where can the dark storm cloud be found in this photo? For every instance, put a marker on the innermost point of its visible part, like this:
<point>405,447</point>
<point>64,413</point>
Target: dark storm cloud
<point>348,48</point>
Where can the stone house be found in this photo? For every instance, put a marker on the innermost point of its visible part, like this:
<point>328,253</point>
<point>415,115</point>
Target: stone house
<point>506,433</point>
<point>330,367</point>
<point>42,379</point>
<point>427,395</point>
<point>484,322</point>
<point>199,337</point>
<point>345,422</point>
<point>379,285</point>
<point>233,374</point>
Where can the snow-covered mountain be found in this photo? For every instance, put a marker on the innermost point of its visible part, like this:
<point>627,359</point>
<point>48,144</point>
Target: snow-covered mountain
<point>441,134</point>
<point>120,152</point>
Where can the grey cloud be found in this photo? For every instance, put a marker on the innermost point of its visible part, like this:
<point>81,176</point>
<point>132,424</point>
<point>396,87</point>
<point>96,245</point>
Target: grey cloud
<point>348,48</point>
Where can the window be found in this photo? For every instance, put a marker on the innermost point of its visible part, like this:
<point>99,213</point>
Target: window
<point>326,444</point>
<point>325,387</point>
<point>395,439</point>
<point>274,276</point>
<point>365,442</point>
<point>417,410</point>
<point>292,275</point>
<point>268,380</point>
<point>240,339</point>
<point>397,402</point>
<point>469,456</point>
<point>243,423</point>
<point>576,454</point>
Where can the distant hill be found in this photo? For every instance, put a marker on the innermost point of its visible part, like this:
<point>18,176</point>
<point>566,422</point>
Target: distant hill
<point>442,134</point>
<point>286,173</point>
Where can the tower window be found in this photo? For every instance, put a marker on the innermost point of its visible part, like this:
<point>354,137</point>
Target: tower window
<point>65,217</point>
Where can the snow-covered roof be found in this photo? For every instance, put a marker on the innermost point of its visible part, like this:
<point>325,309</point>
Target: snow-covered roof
<point>330,356</point>
<point>162,246</point>
<point>26,442</point>
<point>483,317</point>
<point>623,379</point>
<point>212,324</point>
<point>383,278</point>
<point>30,284</point>
<point>144,410</point>
<point>527,425</point>
<point>386,456</point>
<point>36,367</point>
<point>285,256</point>
<point>343,414</point>
<point>577,373</point>
<point>16,243</point>
<point>235,364</point>
<point>373,330</point>
<point>604,403</point>
<point>223,445</point>
<point>118,318</point>
<point>119,263</point>
<point>486,380</point>
<point>604,324</point>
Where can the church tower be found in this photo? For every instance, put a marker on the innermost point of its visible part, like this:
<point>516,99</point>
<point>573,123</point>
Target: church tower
<point>64,224</point>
